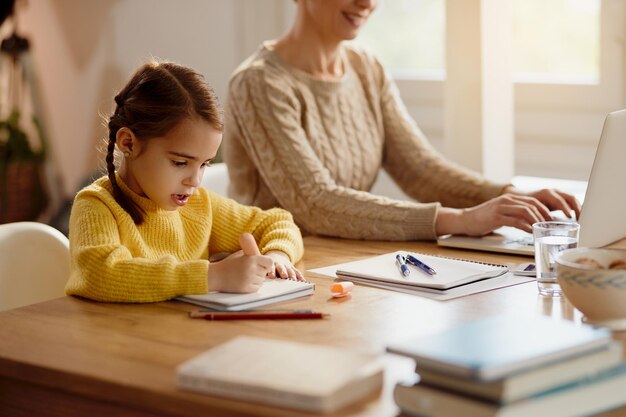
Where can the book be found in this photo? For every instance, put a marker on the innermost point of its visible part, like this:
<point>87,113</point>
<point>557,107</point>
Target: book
<point>451,272</point>
<point>497,347</point>
<point>588,396</point>
<point>272,291</point>
<point>531,382</point>
<point>281,373</point>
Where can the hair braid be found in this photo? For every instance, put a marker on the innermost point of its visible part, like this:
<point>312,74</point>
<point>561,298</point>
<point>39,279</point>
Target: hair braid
<point>122,199</point>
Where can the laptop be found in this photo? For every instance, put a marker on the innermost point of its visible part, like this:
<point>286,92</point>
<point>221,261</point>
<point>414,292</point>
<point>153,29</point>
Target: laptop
<point>603,216</point>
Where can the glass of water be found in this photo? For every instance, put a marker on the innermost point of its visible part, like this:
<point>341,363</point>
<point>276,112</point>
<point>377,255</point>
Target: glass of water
<point>550,239</point>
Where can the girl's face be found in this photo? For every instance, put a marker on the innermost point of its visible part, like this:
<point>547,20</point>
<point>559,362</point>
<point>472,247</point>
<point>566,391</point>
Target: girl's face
<point>169,169</point>
<point>337,19</point>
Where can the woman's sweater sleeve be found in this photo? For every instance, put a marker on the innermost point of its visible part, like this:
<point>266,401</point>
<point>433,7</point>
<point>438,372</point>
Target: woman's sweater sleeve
<point>416,166</point>
<point>268,116</point>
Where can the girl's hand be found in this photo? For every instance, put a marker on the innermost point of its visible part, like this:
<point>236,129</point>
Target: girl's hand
<point>243,271</point>
<point>283,267</point>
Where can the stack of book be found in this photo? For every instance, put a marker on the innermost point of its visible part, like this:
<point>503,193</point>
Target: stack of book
<point>513,367</point>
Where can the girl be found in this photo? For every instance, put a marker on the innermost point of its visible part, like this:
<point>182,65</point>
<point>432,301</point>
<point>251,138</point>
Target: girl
<point>145,233</point>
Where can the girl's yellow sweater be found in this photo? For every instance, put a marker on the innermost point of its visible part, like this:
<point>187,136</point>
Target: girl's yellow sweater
<point>112,259</point>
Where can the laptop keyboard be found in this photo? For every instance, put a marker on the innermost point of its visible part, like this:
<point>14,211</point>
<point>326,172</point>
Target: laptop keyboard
<point>526,241</point>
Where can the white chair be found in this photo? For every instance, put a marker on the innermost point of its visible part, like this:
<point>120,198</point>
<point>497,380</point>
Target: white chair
<point>216,179</point>
<point>34,264</point>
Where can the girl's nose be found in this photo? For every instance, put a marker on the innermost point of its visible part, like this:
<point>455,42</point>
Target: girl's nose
<point>196,178</point>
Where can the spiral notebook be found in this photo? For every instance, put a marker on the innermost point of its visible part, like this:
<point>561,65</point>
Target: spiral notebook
<point>272,291</point>
<point>382,271</point>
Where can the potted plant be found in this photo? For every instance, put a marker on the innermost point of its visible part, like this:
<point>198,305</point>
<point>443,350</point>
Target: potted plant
<point>22,194</point>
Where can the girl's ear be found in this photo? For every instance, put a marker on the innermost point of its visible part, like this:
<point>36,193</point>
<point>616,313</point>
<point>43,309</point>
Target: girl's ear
<point>126,141</point>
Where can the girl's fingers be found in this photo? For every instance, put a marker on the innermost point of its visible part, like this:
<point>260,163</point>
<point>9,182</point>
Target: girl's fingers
<point>288,272</point>
<point>299,275</point>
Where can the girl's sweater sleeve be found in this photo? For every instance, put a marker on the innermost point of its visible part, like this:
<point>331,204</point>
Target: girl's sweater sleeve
<point>273,229</point>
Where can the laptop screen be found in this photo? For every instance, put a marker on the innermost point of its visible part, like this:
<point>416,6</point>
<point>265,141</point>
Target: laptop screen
<point>603,218</point>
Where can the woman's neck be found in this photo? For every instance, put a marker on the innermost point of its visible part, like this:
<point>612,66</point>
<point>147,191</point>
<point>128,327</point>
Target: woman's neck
<point>308,52</point>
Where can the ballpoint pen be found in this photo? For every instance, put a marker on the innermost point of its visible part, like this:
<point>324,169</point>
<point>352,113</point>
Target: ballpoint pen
<point>421,265</point>
<point>257,315</point>
<point>402,266</point>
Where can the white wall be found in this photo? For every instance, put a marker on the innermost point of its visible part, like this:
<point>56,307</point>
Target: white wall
<point>86,50</point>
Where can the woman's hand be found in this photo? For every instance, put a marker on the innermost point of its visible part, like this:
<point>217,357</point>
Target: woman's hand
<point>553,199</point>
<point>283,267</point>
<point>243,271</point>
<point>515,208</point>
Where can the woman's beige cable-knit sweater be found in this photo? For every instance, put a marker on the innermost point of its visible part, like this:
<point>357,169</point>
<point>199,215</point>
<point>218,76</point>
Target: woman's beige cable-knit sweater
<point>315,147</point>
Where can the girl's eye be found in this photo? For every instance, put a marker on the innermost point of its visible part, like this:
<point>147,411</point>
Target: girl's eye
<point>206,164</point>
<point>179,163</point>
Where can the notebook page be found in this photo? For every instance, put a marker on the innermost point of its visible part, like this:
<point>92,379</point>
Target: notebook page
<point>450,272</point>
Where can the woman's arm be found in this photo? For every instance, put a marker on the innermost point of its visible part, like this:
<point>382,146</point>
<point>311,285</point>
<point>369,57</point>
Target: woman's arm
<point>268,116</point>
<point>415,165</point>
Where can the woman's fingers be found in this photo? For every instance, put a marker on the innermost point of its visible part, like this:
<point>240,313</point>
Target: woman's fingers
<point>520,210</point>
<point>541,211</point>
<point>558,200</point>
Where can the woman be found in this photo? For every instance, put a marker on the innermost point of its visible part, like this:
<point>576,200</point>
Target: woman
<point>312,120</point>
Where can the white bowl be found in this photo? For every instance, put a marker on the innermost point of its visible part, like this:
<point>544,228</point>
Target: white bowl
<point>598,292</point>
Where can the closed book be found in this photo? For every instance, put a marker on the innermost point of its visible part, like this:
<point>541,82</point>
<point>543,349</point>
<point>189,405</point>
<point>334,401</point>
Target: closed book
<point>497,347</point>
<point>272,291</point>
<point>531,382</point>
<point>281,373</point>
<point>589,396</point>
<point>383,271</point>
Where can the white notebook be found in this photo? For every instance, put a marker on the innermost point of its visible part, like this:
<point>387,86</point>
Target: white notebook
<point>382,270</point>
<point>283,373</point>
<point>500,346</point>
<point>272,291</point>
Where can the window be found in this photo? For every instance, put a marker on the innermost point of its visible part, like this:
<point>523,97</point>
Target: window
<point>408,36</point>
<point>556,41</point>
<point>567,62</point>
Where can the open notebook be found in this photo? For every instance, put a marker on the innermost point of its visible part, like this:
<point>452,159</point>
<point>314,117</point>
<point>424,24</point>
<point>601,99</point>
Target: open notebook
<point>383,271</point>
<point>272,291</point>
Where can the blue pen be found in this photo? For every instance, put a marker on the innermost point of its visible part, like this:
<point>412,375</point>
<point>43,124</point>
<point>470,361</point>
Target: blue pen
<point>402,266</point>
<point>421,265</point>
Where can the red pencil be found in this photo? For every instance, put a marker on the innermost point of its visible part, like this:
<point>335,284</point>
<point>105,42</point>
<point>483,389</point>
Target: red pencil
<point>257,315</point>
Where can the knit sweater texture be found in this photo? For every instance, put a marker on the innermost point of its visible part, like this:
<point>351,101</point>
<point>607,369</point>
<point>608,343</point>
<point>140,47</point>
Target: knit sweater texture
<point>315,147</point>
<point>112,259</point>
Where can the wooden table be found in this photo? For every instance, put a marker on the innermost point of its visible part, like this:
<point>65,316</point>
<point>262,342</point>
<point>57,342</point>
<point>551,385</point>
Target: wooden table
<point>72,357</point>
